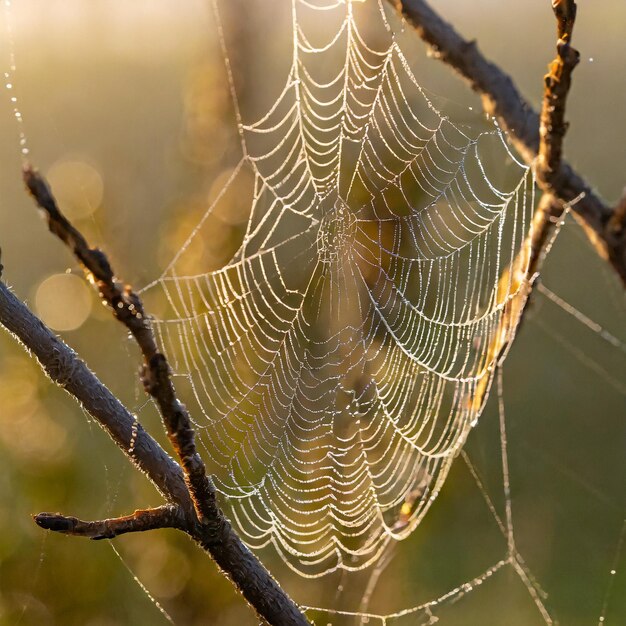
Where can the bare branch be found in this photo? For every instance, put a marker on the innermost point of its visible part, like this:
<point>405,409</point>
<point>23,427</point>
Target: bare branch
<point>524,270</point>
<point>166,516</point>
<point>157,382</point>
<point>552,130</point>
<point>123,303</point>
<point>65,369</point>
<point>565,12</point>
<point>502,99</point>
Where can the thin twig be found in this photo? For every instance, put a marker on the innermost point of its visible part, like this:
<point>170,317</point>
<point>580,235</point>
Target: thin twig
<point>123,302</point>
<point>552,130</point>
<point>166,516</point>
<point>128,309</point>
<point>502,99</point>
<point>558,81</point>
<point>524,269</point>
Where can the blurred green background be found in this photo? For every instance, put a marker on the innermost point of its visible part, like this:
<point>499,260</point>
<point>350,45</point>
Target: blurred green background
<point>126,111</point>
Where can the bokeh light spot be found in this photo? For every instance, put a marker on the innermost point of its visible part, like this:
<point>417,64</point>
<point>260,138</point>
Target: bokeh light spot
<point>63,301</point>
<point>78,187</point>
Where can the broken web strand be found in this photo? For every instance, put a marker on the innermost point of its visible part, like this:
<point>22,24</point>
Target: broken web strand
<point>227,309</point>
<point>9,76</point>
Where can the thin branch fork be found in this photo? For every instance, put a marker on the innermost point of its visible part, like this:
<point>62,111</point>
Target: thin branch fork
<point>204,521</point>
<point>502,99</point>
<point>217,537</point>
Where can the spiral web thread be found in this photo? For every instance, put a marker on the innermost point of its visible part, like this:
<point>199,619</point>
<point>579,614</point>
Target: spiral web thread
<point>342,356</point>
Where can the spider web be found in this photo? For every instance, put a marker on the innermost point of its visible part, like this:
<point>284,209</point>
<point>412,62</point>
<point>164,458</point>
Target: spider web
<point>343,355</point>
<point>402,200</point>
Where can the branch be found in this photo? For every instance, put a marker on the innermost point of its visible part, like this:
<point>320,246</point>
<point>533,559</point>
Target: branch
<point>167,516</point>
<point>558,81</point>
<point>552,131</point>
<point>197,512</point>
<point>502,99</point>
<point>64,368</point>
<point>68,371</point>
<point>520,277</point>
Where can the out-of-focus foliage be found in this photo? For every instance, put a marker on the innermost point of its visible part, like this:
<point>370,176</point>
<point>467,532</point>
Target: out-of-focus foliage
<point>127,103</point>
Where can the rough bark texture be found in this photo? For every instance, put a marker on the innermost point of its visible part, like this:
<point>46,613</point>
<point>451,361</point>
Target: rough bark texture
<point>67,370</point>
<point>167,516</point>
<point>558,81</point>
<point>127,308</point>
